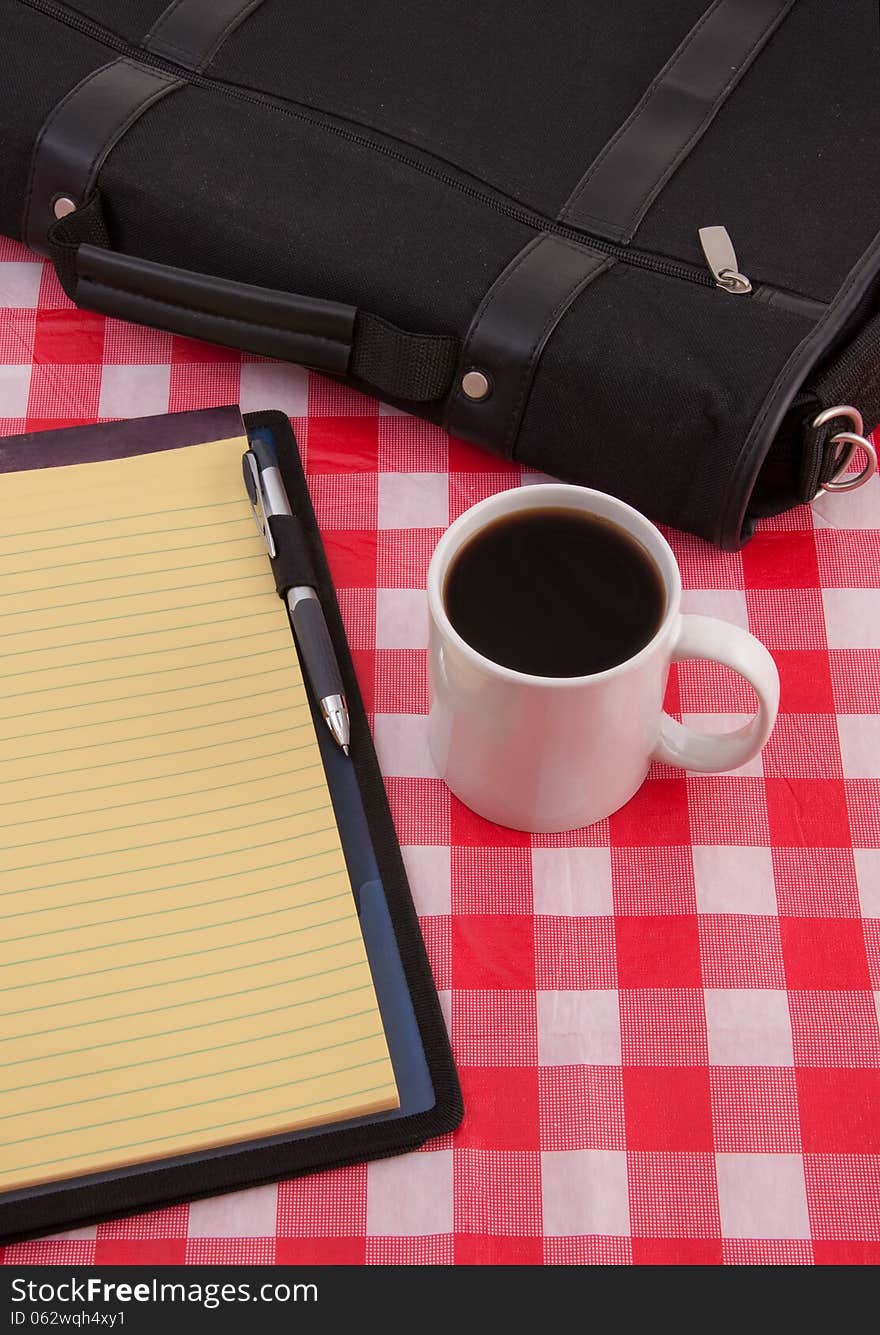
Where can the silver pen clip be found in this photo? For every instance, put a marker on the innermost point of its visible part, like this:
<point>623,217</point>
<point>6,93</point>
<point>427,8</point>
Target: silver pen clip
<point>254,484</point>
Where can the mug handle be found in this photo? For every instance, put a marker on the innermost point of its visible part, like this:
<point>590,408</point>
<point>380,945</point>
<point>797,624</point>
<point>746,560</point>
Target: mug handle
<point>720,642</point>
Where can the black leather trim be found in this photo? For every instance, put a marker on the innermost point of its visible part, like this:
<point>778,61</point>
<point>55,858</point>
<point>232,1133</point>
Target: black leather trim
<point>510,331</point>
<point>78,134</point>
<point>733,523</point>
<point>275,324</point>
<point>619,187</point>
<point>190,32</point>
<point>784,300</point>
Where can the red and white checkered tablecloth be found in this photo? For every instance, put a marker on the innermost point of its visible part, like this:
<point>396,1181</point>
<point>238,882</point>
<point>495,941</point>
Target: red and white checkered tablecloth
<point>667,1024</point>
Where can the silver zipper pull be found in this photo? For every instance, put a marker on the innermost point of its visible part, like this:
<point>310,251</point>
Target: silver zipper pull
<point>721,259</point>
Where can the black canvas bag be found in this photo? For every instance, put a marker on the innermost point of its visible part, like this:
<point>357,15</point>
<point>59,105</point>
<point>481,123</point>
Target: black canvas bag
<point>489,215</point>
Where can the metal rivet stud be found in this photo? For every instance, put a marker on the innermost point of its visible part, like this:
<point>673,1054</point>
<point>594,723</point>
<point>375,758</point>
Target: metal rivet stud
<point>475,385</point>
<point>63,205</point>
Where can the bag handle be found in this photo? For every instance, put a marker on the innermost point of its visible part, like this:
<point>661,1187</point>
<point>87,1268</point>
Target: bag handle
<point>325,335</point>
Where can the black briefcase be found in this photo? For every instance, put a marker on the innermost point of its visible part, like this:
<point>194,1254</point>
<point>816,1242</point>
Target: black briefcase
<point>633,245</point>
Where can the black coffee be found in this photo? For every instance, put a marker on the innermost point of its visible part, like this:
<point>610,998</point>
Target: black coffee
<point>554,592</point>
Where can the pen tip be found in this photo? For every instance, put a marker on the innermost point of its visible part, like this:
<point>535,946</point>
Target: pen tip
<point>346,750</point>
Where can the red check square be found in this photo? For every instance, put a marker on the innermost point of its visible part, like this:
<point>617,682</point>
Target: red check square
<point>494,1028</point>
<point>807,812</point>
<point>437,934</point>
<point>840,1110</point>
<point>658,814</point>
<point>352,557</point>
<point>673,1196</point>
<point>781,561</point>
<point>467,458</point>
<point>140,1251</point>
<point>574,953</point>
<point>755,1110</point>
<point>835,1028</point>
<point>469,829</point>
<point>676,1251</point>
<point>492,951</point>
<point>343,444</point>
<point>491,880</point>
<point>420,808</point>
<point>498,1193</point>
<point>364,662</point>
<point>824,953</point>
<point>67,337</point>
<point>329,1205</point>
<point>320,1251</point>
<point>663,1027</point>
<point>49,1251</point>
<point>501,1108</point>
<point>846,1253</point>
<point>667,1108</point>
<point>426,1249</point>
<point>804,681</point>
<point>193,352</point>
<point>741,950</point>
<point>473,1249</point>
<point>658,951</point>
<point>582,1108</point>
<point>843,1198</point>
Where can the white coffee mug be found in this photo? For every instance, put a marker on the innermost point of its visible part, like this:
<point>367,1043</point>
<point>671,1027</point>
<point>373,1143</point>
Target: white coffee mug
<point>552,753</point>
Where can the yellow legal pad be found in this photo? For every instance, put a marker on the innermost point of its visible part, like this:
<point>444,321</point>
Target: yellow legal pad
<point>181,964</point>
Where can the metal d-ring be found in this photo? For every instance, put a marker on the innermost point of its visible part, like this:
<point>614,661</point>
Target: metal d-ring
<point>849,441</point>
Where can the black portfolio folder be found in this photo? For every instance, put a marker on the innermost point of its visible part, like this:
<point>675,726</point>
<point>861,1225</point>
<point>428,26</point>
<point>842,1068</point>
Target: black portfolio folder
<point>430,1099</point>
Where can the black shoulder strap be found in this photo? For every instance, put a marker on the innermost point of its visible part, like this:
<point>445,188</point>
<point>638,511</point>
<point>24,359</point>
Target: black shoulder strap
<point>618,188</point>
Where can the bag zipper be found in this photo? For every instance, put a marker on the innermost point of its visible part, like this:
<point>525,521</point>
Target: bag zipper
<point>639,259</point>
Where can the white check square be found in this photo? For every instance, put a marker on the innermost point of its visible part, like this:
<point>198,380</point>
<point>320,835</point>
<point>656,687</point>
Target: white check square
<point>428,872</point>
<point>728,604</point>
<point>401,619</point>
<point>243,1214</point>
<point>572,882</point>
<point>852,618</point>
<point>734,880</point>
<point>855,509</point>
<point>579,1028</point>
<point>859,745</point>
<point>720,723</point>
<point>867,862</point>
<point>410,1196</point>
<point>134,391</point>
<point>748,1027</point>
<point>413,500</point>
<point>274,385</point>
<point>15,385</point>
<point>402,746</point>
<point>585,1192</point>
<point>20,283</point>
<point>762,1196</point>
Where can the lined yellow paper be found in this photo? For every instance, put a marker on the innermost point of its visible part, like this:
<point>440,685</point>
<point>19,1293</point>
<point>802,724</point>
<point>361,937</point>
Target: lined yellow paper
<point>181,964</point>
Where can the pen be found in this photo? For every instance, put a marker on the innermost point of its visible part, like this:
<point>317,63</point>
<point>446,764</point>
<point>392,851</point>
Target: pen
<point>283,537</point>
